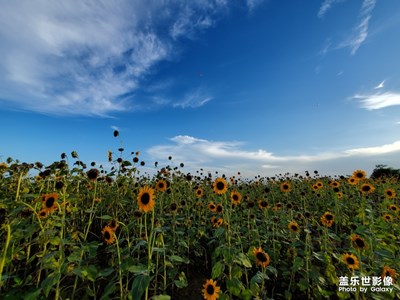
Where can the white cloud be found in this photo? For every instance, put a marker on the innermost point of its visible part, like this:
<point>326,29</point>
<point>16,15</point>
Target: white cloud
<point>87,57</point>
<point>193,99</point>
<point>360,32</point>
<point>231,157</point>
<point>252,4</point>
<point>378,100</point>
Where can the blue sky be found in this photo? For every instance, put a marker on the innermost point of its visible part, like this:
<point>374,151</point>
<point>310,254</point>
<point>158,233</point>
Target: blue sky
<point>260,87</point>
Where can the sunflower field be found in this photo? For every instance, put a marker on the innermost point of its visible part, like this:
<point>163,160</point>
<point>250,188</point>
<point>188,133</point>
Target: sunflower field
<point>73,231</point>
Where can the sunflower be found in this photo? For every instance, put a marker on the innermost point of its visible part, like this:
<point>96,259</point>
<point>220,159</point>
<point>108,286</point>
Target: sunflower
<point>211,290</point>
<point>367,188</point>
<point>358,242</point>
<point>262,258</point>
<point>161,185</point>
<point>389,272</point>
<point>327,219</point>
<point>319,184</point>
<point>146,199</point>
<point>294,227</point>
<point>277,206</point>
<point>219,209</point>
<point>315,187</point>
<point>352,180</point>
<point>49,202</point>
<point>334,184</point>
<point>43,213</point>
<point>217,222</point>
<point>388,218</point>
<point>393,208</point>
<point>390,193</point>
<point>220,186</point>
<point>350,260</point>
<point>109,154</point>
<point>339,195</point>
<point>262,204</point>
<point>92,174</point>
<point>199,193</point>
<point>108,235</point>
<point>359,174</point>
<point>236,197</point>
<point>212,207</point>
<point>285,187</point>
<point>173,207</point>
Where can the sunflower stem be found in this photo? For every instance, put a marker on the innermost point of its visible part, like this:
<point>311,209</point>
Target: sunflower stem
<point>3,259</point>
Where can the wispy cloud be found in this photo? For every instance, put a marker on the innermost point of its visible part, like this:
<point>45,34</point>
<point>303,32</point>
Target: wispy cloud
<point>231,155</point>
<point>380,86</point>
<point>378,100</point>
<point>325,6</point>
<point>193,99</point>
<point>88,57</point>
<point>252,4</point>
<point>360,31</point>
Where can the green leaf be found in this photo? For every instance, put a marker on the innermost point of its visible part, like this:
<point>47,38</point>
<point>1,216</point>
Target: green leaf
<point>140,283</point>
<point>234,286</point>
<point>217,269</point>
<point>105,217</point>
<point>243,260</point>
<point>32,294</point>
<point>139,269</point>
<point>105,272</point>
<point>109,289</point>
<point>176,258</point>
<point>49,282</point>
<point>297,264</point>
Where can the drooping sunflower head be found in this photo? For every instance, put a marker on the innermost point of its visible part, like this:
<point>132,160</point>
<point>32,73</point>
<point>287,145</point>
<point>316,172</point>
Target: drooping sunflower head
<point>211,290</point>
<point>285,187</point>
<point>294,227</point>
<point>161,185</point>
<point>92,174</point>
<point>351,261</point>
<point>108,235</point>
<point>359,174</point>
<point>390,193</point>
<point>327,219</point>
<point>145,199</point>
<point>219,209</point>
<point>367,188</point>
<point>262,258</point>
<point>358,242</point>
<point>173,207</point>
<point>220,186</point>
<point>236,197</point>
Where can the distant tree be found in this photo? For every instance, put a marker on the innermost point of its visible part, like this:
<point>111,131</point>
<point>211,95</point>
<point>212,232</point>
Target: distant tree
<point>385,171</point>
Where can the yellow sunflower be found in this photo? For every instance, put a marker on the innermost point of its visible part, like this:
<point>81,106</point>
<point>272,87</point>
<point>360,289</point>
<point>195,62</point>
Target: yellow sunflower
<point>108,235</point>
<point>390,193</point>
<point>359,174</point>
<point>351,261</point>
<point>145,199</point>
<point>49,202</point>
<point>236,197</point>
<point>212,207</point>
<point>388,218</point>
<point>262,258</point>
<point>161,185</point>
<point>43,213</point>
<point>367,188</point>
<point>294,227</point>
<point>285,187</point>
<point>389,272</point>
<point>262,204</point>
<point>327,219</point>
<point>358,242</point>
<point>211,290</point>
<point>334,184</point>
<point>339,195</point>
<point>199,193</point>
<point>319,184</point>
<point>113,224</point>
<point>393,208</point>
<point>352,180</point>
<point>220,186</point>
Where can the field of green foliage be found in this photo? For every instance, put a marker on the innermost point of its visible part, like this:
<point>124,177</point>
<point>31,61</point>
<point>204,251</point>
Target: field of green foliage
<point>77,231</point>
